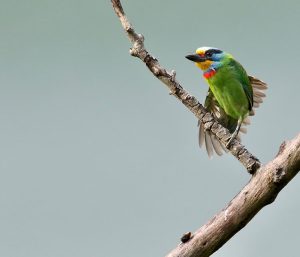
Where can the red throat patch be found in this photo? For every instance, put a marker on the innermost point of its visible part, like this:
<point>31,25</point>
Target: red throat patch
<point>208,74</point>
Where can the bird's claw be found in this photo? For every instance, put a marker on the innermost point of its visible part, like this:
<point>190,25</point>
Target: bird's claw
<point>229,142</point>
<point>233,136</point>
<point>235,133</point>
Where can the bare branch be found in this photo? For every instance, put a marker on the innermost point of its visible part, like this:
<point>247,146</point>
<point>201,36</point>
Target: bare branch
<point>168,78</point>
<point>261,190</point>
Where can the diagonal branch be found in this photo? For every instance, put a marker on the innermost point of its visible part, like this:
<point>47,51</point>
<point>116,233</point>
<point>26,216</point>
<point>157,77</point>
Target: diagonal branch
<point>168,78</point>
<point>261,190</point>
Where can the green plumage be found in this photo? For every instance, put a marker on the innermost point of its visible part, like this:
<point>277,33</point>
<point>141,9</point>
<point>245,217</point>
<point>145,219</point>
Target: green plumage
<point>232,89</point>
<point>231,97</point>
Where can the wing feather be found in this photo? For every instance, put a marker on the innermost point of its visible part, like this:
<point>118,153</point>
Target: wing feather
<point>258,87</point>
<point>212,144</point>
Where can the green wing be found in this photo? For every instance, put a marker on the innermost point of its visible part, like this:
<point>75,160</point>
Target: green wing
<point>244,79</point>
<point>258,87</point>
<point>253,87</point>
<point>212,144</point>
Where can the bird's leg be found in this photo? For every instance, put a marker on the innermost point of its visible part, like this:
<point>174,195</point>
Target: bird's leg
<point>236,132</point>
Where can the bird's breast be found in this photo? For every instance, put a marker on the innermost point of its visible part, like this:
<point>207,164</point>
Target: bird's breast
<point>210,73</point>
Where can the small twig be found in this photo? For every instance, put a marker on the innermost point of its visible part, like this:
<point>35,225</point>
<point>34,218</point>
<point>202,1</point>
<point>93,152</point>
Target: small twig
<point>169,79</point>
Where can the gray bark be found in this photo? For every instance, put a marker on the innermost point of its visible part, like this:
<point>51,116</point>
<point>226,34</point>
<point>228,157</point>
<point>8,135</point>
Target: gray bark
<point>263,187</point>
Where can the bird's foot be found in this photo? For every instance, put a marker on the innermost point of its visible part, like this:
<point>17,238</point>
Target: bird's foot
<point>233,136</point>
<point>235,133</point>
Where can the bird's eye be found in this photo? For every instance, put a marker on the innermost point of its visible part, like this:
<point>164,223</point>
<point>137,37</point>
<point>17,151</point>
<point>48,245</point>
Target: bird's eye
<point>209,54</point>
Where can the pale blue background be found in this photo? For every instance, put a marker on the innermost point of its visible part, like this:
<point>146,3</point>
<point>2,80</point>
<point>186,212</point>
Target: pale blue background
<point>97,160</point>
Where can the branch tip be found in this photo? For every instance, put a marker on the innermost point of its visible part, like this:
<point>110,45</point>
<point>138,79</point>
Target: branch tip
<point>118,7</point>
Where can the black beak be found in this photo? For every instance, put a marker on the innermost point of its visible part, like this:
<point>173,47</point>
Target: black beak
<point>195,58</point>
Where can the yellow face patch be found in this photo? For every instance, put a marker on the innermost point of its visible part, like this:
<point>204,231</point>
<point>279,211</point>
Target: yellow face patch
<point>200,51</point>
<point>204,65</point>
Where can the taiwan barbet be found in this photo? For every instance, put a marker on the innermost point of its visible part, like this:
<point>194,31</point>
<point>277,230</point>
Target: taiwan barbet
<point>231,96</point>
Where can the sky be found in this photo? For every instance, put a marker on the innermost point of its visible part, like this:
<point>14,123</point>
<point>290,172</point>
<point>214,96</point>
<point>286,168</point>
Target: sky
<point>97,159</point>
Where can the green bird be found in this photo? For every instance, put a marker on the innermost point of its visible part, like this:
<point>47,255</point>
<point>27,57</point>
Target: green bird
<point>232,95</point>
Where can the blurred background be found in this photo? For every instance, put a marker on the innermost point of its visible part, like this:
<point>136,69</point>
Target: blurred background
<point>96,159</point>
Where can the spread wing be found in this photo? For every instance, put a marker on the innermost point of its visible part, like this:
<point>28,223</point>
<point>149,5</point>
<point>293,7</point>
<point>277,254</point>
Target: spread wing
<point>212,144</point>
<point>258,87</point>
<point>244,80</point>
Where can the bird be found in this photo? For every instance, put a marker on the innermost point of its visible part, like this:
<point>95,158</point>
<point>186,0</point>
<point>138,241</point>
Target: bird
<point>231,97</point>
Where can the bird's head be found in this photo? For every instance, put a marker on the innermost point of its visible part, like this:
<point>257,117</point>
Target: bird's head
<point>207,57</point>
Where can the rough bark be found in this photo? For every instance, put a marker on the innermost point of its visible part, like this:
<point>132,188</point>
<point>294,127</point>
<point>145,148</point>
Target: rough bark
<point>262,189</point>
<point>168,78</point>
